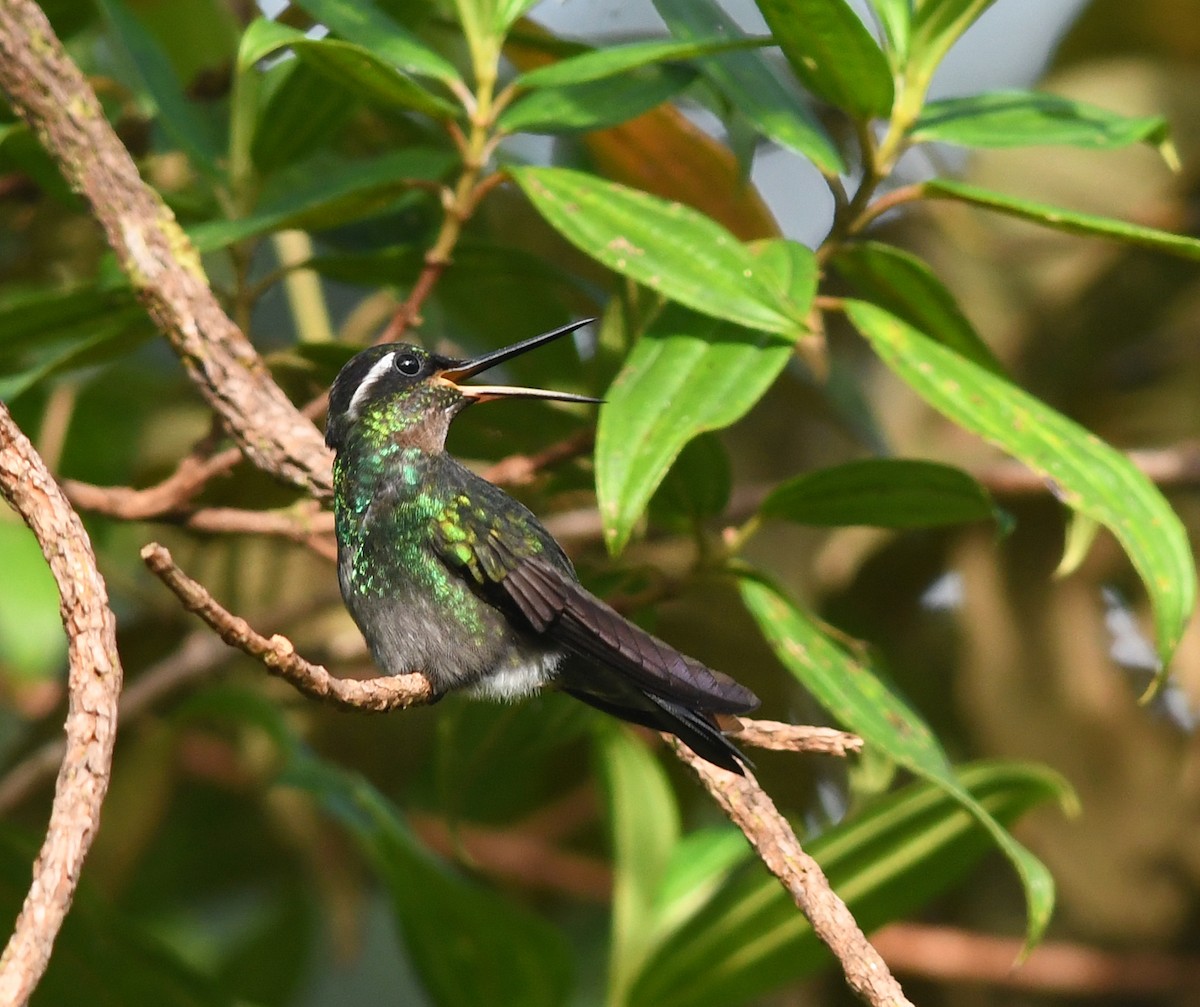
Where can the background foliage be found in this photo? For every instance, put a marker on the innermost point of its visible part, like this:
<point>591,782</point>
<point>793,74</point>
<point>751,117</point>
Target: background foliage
<point>762,493</point>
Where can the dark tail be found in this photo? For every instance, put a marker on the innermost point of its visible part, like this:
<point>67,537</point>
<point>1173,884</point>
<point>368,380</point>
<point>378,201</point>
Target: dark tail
<point>616,666</point>
<point>699,731</point>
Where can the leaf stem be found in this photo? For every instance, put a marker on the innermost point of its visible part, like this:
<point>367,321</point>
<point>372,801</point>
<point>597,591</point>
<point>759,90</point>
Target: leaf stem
<point>735,538</point>
<point>475,146</point>
<point>897,197</point>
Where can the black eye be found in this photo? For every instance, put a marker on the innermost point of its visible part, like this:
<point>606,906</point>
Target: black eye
<point>407,363</point>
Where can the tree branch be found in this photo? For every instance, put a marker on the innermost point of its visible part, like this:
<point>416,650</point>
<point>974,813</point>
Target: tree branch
<point>516,470</point>
<point>172,494</point>
<point>743,800</point>
<point>780,737</point>
<point>949,955</point>
<point>409,313</point>
<point>375,695</point>
<point>199,654</point>
<point>198,657</point>
<point>48,91</point>
<point>94,682</point>
<point>517,856</point>
<point>752,810</point>
<point>305,522</point>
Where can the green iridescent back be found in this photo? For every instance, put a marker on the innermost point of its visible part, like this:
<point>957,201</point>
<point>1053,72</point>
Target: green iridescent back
<point>406,517</point>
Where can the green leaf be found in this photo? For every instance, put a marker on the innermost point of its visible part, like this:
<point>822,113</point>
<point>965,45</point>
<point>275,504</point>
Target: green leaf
<point>1027,118</point>
<point>645,826</point>
<point>686,375</point>
<point>665,246</point>
<point>900,282</point>
<point>1081,533</point>
<point>355,67</point>
<point>842,684</point>
<point>937,25</point>
<point>32,642</point>
<point>471,946</point>
<point>179,118</point>
<point>698,484</point>
<point>833,54</point>
<point>363,22</point>
<point>302,115</point>
<point>700,864</point>
<point>1086,474</point>
<point>882,492</point>
<point>480,21</point>
<point>618,59</point>
<point>68,350</point>
<point>1065,220</point>
<point>861,702</point>
<point>492,762</point>
<point>596,105</point>
<point>323,193</point>
<point>360,71</point>
<point>896,18</point>
<point>28,315</point>
<point>109,954</point>
<point>21,151</point>
<point>508,11</point>
<point>48,330</point>
<point>261,38</point>
<point>886,862</point>
<point>751,85</point>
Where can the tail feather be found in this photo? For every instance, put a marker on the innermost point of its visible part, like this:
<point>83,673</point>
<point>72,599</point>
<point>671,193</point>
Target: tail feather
<point>611,663</point>
<point>701,734</point>
<point>696,729</point>
<point>560,608</point>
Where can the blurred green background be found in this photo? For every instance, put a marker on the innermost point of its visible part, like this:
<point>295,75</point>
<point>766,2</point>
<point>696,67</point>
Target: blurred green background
<point>252,848</point>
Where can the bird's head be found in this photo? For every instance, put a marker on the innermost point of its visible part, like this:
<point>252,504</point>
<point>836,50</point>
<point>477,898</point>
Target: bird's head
<point>402,392</point>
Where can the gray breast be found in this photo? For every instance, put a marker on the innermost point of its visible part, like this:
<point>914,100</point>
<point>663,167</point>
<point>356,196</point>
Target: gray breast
<point>457,639</point>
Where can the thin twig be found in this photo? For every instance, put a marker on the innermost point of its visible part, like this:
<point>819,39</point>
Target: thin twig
<point>409,313</point>
<point>897,197</point>
<point>781,737</point>
<point>94,682</point>
<point>746,803</point>
<point>375,695</point>
<point>515,855</point>
<point>945,955</point>
<point>197,656</point>
<point>516,470</point>
<point>305,524</point>
<point>752,810</point>
<point>172,494</point>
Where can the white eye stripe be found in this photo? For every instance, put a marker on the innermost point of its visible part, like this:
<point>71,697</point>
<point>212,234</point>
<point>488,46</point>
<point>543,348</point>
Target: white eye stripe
<point>378,369</point>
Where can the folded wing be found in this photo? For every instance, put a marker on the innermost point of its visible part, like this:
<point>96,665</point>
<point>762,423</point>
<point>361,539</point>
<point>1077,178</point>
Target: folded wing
<point>621,668</point>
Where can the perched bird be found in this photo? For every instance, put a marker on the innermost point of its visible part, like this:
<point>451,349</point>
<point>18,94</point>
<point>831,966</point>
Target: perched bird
<point>447,574</point>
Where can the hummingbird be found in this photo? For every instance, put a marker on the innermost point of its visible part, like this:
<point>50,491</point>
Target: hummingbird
<point>447,574</point>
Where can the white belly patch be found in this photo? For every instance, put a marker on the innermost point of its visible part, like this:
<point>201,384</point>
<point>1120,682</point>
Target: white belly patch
<point>517,682</point>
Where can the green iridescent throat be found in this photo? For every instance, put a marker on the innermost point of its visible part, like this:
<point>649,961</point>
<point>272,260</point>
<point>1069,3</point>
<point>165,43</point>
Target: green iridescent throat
<point>391,546</point>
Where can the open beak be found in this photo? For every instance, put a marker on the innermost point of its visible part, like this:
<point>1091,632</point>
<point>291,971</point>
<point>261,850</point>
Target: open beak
<point>455,371</point>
